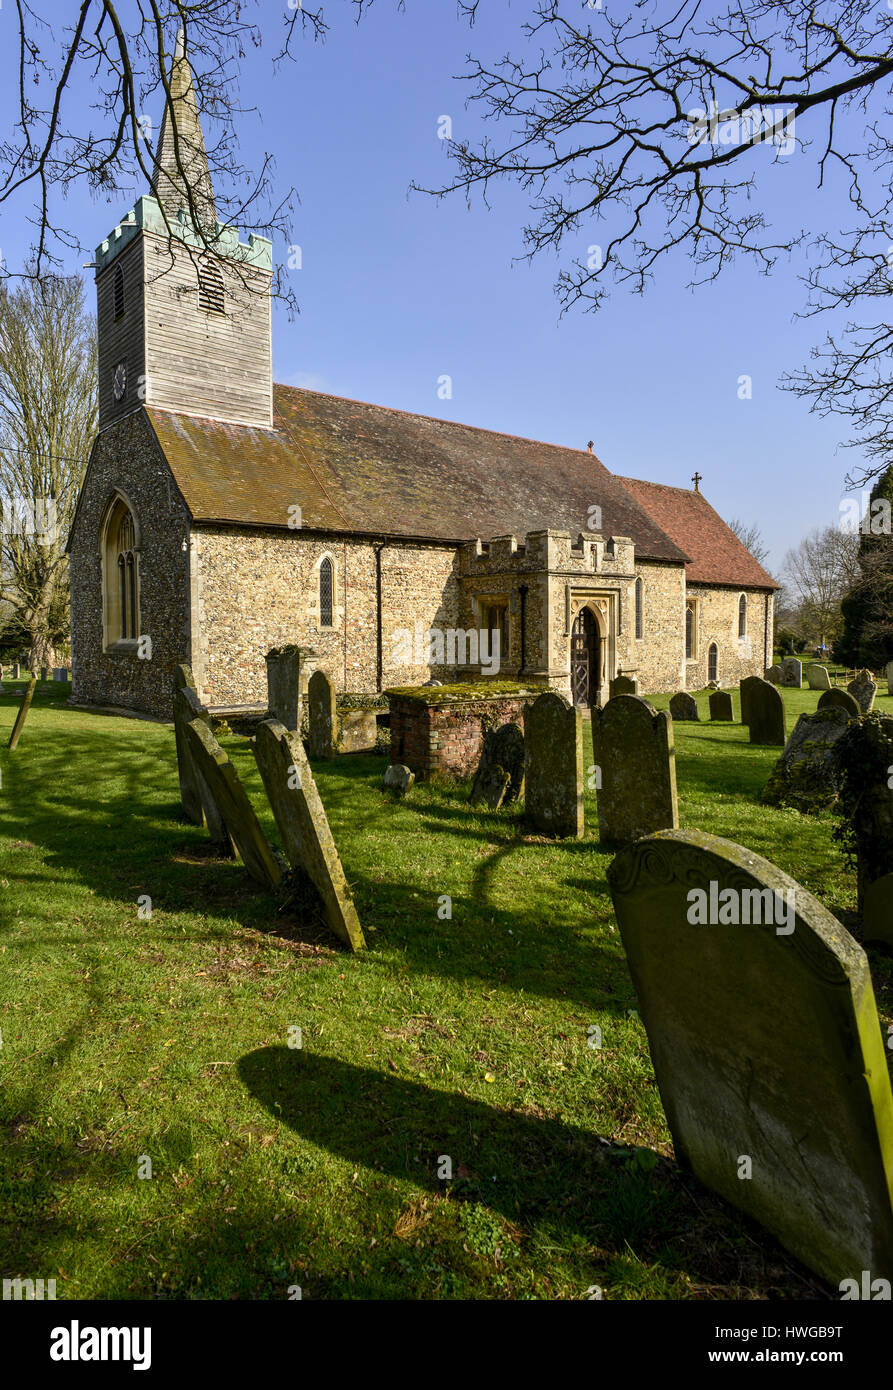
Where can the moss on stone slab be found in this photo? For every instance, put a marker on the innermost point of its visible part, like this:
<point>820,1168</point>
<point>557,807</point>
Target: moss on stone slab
<point>462,691</point>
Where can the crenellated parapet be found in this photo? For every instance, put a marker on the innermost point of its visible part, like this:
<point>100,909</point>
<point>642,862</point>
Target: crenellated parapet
<point>550,551</point>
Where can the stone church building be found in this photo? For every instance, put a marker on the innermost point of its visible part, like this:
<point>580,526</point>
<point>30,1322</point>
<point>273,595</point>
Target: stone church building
<point>222,515</point>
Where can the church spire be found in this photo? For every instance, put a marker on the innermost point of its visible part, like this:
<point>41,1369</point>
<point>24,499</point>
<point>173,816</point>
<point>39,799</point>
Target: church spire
<point>181,160</point>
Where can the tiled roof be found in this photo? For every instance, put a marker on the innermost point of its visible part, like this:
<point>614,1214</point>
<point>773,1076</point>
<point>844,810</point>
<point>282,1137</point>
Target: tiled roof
<point>717,555</point>
<point>366,469</point>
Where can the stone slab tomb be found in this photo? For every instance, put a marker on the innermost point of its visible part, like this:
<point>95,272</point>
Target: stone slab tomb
<point>553,766</point>
<point>762,710</point>
<point>500,772</point>
<point>721,705</point>
<point>807,775</point>
<point>684,706</point>
<point>634,752</point>
<point>766,1045</point>
<point>863,690</point>
<point>835,698</point>
<point>817,678</point>
<point>236,811</point>
<point>304,825</point>
<point>322,717</point>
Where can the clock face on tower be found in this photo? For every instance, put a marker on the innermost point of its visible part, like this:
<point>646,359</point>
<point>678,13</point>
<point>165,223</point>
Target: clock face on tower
<point>120,380</point>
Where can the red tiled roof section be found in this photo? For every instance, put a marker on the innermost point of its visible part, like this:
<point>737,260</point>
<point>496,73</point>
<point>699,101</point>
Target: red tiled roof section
<point>361,468</point>
<point>718,557</point>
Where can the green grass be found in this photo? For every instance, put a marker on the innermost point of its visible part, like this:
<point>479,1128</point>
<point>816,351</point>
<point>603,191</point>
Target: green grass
<point>167,1036</point>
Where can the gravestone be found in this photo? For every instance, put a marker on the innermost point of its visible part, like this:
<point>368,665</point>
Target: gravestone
<point>890,677</point>
<point>322,727</point>
<point>287,673</point>
<point>623,685</point>
<point>835,698</point>
<point>502,756</point>
<point>357,731</point>
<point>792,672</point>
<point>60,673</point>
<point>807,775</point>
<point>684,706</point>
<point>236,811</point>
<point>22,714</point>
<point>766,1045</point>
<point>304,825</point>
<point>773,675</point>
<point>877,910</point>
<point>16,671</point>
<point>553,765</point>
<point>721,705</point>
<point>399,778</point>
<point>186,708</point>
<point>863,690</point>
<point>817,678</point>
<point>765,706</point>
<point>632,744</point>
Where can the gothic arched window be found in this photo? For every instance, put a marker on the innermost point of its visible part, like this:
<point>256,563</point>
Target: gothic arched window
<point>712,662</point>
<point>639,617</point>
<point>121,576</point>
<point>689,632</point>
<point>742,616</point>
<point>210,288</point>
<point>326,593</point>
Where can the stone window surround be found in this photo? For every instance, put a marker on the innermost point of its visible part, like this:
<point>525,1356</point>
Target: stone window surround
<point>742,613</point>
<point>113,645</point>
<point>313,595</point>
<point>695,605</point>
<point>639,608</point>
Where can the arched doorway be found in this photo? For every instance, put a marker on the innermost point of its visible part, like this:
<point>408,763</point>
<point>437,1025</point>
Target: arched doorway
<point>586,659</point>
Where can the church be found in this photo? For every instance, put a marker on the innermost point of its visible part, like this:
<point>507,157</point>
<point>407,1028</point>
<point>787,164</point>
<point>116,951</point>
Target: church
<point>222,515</point>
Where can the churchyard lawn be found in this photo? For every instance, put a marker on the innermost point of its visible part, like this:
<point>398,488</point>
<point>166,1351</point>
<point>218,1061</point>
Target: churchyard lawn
<point>135,1031</point>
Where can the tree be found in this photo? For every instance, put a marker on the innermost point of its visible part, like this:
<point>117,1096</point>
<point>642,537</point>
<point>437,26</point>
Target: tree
<point>819,572</point>
<point>867,609</point>
<point>751,538</point>
<point>47,424</point>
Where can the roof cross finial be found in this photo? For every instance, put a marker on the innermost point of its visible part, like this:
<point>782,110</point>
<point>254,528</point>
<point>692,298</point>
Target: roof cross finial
<point>697,479</point>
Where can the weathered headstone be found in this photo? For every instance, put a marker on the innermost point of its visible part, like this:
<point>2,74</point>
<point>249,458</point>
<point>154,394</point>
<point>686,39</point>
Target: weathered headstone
<point>636,760</point>
<point>817,678</point>
<point>835,698</point>
<point>766,1045</point>
<point>792,672</point>
<point>806,775</point>
<point>721,705</point>
<point>399,778</point>
<point>501,756</point>
<point>322,716</point>
<point>553,765</point>
<point>304,825</point>
<point>877,910</point>
<point>287,670</point>
<point>22,714</point>
<point>236,811</point>
<point>773,675</point>
<point>684,706</point>
<point>60,673</point>
<point>863,690</point>
<point>16,671</point>
<point>623,685</point>
<point>765,707</point>
<point>357,731</point>
<point>186,709</point>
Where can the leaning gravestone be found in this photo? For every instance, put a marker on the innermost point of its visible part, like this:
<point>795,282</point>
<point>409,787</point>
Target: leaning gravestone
<point>684,706</point>
<point>623,685</point>
<point>807,775</point>
<point>773,675</point>
<point>792,672</point>
<point>863,690</point>
<point>766,1045</point>
<point>817,678</point>
<point>235,809</point>
<point>634,752</point>
<point>199,805</point>
<point>22,714</point>
<point>304,825</point>
<point>500,772</point>
<point>835,698</point>
<point>322,716</point>
<point>765,711</point>
<point>721,705</point>
<point>553,765</point>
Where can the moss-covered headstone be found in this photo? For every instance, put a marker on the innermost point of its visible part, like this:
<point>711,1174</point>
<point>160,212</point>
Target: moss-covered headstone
<point>322,715</point>
<point>835,698</point>
<point>636,761</point>
<point>284,682</point>
<point>806,775</point>
<point>235,809</point>
<point>765,1043</point>
<point>553,766</point>
<point>199,805</point>
<point>792,672</point>
<point>623,685</point>
<point>684,706</point>
<point>500,772</point>
<point>863,690</point>
<point>304,825</point>
<point>817,677</point>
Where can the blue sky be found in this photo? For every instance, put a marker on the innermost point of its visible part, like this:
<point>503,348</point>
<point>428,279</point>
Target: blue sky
<point>397,289</point>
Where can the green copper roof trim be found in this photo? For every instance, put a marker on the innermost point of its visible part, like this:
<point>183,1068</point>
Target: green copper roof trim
<point>145,216</point>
